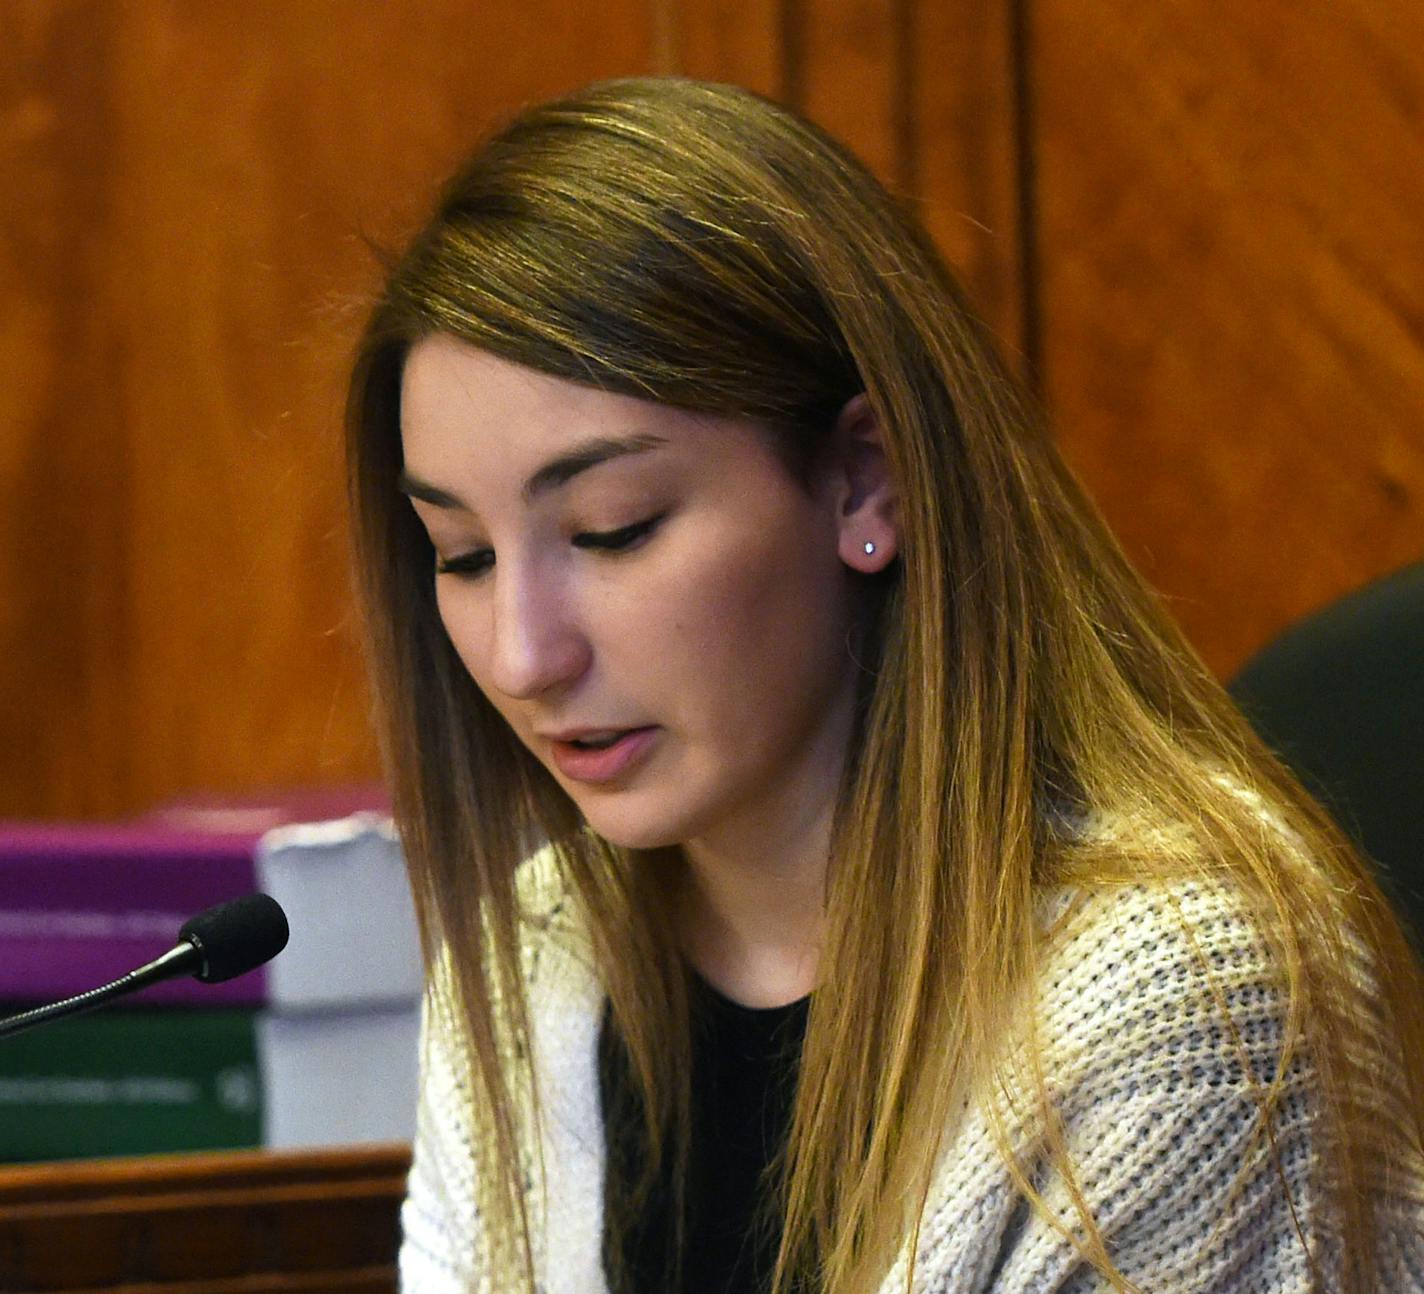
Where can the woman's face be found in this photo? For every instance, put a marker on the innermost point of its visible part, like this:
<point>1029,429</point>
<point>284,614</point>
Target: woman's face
<point>610,567</point>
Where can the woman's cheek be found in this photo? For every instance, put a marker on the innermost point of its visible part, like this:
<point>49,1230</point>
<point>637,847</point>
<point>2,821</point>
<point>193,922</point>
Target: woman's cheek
<point>466,626</point>
<point>715,591</point>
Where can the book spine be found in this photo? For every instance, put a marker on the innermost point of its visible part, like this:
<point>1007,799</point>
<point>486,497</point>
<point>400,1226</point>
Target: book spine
<point>72,918</point>
<point>131,1082</point>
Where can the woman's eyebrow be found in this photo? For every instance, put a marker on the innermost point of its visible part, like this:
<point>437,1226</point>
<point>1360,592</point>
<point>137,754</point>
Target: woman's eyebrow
<point>415,488</point>
<point>556,472</point>
<point>590,453</point>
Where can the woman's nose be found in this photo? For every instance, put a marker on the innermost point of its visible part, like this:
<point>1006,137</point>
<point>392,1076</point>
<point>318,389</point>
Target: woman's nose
<point>537,643</point>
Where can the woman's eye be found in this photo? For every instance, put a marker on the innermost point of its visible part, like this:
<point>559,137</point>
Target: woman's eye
<point>478,561</point>
<point>475,562</point>
<point>616,540</point>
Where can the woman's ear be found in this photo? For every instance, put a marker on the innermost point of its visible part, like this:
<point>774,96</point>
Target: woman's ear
<point>866,501</point>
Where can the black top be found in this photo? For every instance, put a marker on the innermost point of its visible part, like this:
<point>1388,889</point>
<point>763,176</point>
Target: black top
<point>744,1066</point>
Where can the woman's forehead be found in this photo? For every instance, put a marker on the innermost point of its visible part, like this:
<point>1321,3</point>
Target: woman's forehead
<point>464,409</point>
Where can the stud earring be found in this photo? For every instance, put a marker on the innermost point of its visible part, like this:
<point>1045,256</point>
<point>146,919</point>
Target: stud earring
<point>869,548</point>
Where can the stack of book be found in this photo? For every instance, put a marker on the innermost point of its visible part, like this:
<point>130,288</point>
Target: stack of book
<point>319,1047</point>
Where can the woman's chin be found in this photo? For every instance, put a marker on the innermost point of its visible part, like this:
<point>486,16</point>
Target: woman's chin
<point>642,840</point>
<point>628,831</point>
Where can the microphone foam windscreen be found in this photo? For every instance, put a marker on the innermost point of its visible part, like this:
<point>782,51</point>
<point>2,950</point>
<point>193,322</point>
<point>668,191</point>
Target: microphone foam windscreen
<point>236,937</point>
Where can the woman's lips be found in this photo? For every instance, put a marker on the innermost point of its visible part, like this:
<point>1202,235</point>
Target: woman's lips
<point>580,764</point>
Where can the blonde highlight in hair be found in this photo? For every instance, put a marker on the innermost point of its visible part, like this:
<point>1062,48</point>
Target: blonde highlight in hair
<point>698,246</point>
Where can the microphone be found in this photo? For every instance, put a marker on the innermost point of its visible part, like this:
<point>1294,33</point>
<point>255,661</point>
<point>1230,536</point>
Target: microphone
<point>219,944</point>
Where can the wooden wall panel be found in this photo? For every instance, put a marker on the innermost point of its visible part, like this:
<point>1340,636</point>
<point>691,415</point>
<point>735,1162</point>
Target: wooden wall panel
<point>963,119</point>
<point>847,74</point>
<point>236,529</point>
<point>738,41</point>
<point>927,94</point>
<point>189,191</point>
<point>63,543</point>
<point>1232,292</point>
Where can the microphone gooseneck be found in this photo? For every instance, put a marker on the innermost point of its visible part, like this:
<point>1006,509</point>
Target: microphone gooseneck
<point>225,941</point>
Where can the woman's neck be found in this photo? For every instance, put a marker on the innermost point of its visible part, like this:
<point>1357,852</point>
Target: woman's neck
<point>751,923</point>
<point>751,903</point>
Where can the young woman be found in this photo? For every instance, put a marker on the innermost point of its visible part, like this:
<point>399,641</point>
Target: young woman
<point>905,906</point>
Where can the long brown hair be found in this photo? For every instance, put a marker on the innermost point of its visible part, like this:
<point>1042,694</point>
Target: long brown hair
<point>697,245</point>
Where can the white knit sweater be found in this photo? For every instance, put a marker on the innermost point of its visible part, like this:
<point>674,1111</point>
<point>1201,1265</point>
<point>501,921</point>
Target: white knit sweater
<point>1155,1092</point>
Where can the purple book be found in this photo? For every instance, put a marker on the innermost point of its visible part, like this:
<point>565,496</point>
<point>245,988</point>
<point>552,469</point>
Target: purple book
<point>83,903</point>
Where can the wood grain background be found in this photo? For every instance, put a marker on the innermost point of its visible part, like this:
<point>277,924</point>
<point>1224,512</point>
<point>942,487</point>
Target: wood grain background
<point>1195,230</point>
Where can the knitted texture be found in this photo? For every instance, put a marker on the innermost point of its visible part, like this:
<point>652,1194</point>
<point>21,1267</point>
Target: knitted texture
<point>1158,1095</point>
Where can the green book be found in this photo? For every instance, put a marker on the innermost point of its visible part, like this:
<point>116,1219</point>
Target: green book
<point>130,1083</point>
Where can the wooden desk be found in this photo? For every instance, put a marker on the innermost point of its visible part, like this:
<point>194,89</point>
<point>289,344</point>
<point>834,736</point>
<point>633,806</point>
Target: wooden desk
<point>248,1222</point>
